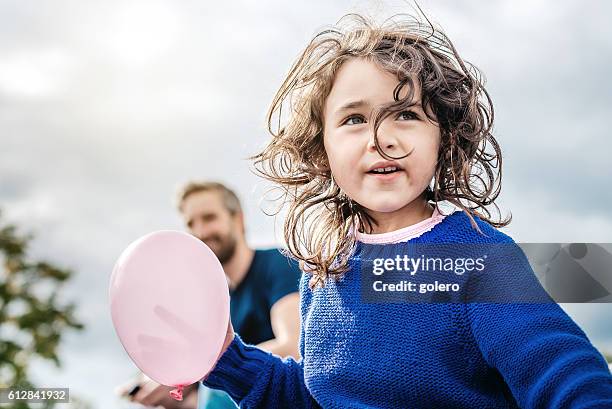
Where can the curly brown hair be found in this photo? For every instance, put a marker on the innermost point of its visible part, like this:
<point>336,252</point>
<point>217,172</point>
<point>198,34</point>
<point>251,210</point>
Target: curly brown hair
<point>320,217</point>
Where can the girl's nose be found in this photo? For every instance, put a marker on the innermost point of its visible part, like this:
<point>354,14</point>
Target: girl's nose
<point>386,142</point>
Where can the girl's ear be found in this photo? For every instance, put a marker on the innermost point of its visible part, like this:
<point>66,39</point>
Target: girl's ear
<point>449,148</point>
<point>324,168</point>
<point>322,164</point>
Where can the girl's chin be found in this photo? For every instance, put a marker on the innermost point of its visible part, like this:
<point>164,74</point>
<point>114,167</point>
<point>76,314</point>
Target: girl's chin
<point>384,207</point>
<point>387,203</point>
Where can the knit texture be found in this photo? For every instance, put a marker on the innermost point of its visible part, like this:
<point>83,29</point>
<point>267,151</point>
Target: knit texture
<point>422,355</point>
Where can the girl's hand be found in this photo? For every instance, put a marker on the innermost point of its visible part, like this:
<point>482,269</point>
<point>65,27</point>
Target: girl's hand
<point>229,337</point>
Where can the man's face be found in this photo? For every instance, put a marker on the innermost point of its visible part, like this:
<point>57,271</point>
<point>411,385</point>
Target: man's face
<point>207,219</point>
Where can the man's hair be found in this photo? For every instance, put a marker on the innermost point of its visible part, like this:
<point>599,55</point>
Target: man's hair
<point>228,197</point>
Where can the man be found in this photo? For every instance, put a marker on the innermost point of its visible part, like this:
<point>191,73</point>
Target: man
<point>264,303</point>
<point>263,283</point>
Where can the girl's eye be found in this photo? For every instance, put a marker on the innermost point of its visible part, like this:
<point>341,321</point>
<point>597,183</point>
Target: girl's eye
<point>354,120</point>
<point>407,115</point>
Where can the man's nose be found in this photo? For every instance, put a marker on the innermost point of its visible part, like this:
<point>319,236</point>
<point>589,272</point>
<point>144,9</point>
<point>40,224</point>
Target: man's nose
<point>200,232</point>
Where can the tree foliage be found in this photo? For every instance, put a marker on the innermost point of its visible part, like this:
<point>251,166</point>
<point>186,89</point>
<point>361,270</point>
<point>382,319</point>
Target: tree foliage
<point>33,318</point>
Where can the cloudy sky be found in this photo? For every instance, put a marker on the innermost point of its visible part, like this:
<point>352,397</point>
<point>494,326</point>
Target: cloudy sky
<point>107,107</point>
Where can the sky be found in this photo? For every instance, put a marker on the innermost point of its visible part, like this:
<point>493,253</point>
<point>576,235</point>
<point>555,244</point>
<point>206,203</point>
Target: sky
<point>106,108</point>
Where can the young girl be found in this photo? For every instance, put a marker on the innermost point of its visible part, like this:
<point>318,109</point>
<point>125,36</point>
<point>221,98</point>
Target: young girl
<point>384,124</point>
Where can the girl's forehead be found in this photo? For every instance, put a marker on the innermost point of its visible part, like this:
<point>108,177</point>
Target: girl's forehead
<point>362,82</point>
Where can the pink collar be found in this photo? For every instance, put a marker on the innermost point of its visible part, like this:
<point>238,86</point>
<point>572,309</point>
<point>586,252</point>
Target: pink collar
<point>403,234</point>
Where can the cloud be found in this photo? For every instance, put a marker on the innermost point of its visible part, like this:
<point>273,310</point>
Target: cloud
<point>37,73</point>
<point>103,115</point>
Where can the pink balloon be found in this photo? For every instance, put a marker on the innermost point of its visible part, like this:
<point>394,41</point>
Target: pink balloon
<point>169,303</point>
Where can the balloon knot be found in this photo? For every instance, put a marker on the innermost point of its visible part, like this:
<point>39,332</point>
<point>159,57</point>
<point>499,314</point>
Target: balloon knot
<point>177,394</point>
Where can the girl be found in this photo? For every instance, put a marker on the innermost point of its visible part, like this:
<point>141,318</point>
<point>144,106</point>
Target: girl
<point>384,124</point>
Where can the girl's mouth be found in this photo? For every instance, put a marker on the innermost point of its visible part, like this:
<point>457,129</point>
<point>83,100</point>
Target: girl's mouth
<point>384,174</point>
<point>385,170</point>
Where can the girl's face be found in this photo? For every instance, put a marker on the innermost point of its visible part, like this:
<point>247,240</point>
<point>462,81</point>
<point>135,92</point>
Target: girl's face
<point>386,188</point>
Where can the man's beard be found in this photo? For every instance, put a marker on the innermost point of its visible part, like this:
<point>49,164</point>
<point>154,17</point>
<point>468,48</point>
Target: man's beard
<point>225,249</point>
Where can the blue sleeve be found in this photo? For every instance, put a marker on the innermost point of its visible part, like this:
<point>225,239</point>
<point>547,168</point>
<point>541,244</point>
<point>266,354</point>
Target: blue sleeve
<point>258,379</point>
<point>284,277</point>
<point>544,357</point>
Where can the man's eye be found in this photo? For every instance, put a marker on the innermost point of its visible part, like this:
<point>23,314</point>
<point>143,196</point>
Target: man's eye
<point>354,120</point>
<point>407,115</point>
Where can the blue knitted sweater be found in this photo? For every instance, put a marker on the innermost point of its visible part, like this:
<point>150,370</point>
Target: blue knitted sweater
<point>358,354</point>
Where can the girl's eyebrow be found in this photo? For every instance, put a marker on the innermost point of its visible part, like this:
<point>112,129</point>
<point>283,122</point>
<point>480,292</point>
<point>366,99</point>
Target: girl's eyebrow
<point>351,105</point>
<point>363,103</point>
